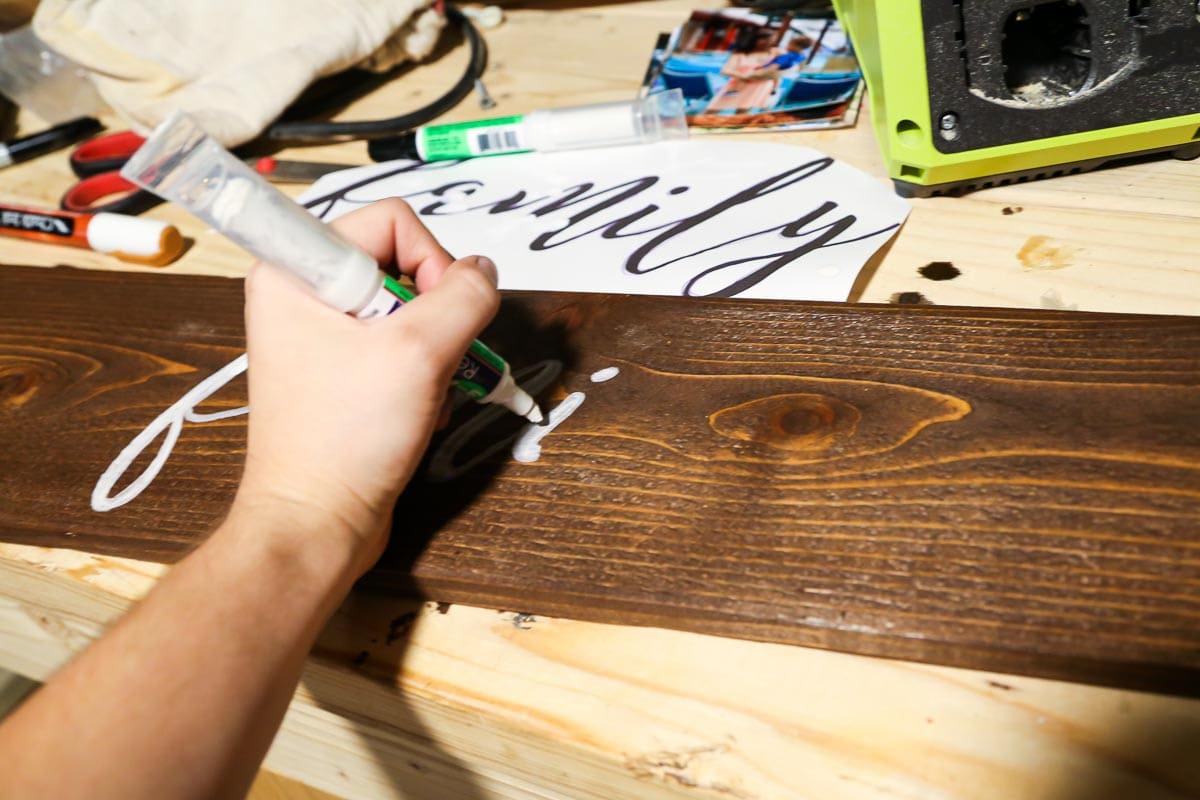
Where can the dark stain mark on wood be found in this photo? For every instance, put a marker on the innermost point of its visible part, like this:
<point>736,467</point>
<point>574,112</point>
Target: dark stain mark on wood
<point>998,685</point>
<point>443,608</point>
<point>1008,211</point>
<point>360,659</point>
<point>1010,490</point>
<point>939,271</point>
<point>910,299</point>
<point>399,627</point>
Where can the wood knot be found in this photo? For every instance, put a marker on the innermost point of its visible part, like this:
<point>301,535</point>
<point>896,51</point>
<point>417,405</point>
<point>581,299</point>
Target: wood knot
<point>789,421</point>
<point>19,382</point>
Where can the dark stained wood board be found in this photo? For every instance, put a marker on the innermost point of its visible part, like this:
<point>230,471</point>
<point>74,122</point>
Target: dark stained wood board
<point>999,489</point>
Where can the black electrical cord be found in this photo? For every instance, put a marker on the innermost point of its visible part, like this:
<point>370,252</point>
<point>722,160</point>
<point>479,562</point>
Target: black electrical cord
<point>301,131</point>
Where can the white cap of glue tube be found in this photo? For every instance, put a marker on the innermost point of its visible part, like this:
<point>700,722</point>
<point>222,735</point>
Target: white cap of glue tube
<point>182,163</point>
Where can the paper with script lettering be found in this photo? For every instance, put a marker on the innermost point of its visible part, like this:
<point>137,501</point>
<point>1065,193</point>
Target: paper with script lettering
<point>719,219</point>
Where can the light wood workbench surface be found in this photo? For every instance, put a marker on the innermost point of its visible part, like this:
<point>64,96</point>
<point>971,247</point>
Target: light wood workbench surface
<point>473,703</point>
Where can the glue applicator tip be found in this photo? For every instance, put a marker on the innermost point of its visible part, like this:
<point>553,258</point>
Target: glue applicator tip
<point>519,401</point>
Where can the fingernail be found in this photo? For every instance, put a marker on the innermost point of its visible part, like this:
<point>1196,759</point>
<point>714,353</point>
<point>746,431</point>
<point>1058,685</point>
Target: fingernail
<point>487,265</point>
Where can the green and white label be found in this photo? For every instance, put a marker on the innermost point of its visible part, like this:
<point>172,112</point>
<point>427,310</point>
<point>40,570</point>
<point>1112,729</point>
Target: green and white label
<point>479,372</point>
<point>491,137</point>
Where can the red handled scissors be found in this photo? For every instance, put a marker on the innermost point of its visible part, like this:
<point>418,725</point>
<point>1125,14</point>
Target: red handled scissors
<point>97,162</point>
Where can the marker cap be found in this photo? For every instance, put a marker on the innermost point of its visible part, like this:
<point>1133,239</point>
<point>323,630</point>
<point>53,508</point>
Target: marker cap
<point>140,241</point>
<point>648,119</point>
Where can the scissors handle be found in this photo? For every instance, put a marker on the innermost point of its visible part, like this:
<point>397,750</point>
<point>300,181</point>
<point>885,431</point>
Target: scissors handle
<point>106,153</point>
<point>98,163</point>
<point>107,191</point>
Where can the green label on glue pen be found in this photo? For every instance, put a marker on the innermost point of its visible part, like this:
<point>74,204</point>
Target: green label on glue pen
<point>397,288</point>
<point>480,370</point>
<point>489,137</point>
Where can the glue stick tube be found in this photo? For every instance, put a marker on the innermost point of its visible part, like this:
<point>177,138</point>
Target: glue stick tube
<point>648,119</point>
<point>139,241</point>
<point>183,164</point>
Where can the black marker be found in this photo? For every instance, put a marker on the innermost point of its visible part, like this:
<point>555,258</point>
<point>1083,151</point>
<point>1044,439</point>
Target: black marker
<point>47,141</point>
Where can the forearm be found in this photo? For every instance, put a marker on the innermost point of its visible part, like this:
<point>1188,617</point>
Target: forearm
<point>181,699</point>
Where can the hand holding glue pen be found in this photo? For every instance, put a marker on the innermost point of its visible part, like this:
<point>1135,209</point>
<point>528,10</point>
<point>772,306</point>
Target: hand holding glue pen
<point>181,163</point>
<point>653,118</point>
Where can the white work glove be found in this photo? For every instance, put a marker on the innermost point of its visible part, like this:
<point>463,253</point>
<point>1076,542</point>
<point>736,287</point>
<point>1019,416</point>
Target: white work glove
<point>234,65</point>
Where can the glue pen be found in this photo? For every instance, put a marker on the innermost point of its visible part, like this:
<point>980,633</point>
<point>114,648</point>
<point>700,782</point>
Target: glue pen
<point>183,164</point>
<point>648,119</point>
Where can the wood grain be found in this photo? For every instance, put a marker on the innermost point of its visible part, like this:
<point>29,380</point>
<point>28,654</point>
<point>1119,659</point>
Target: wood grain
<point>1009,490</point>
<point>470,703</point>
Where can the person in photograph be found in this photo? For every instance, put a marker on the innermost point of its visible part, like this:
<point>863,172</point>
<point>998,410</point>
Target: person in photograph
<point>794,55</point>
<point>754,76</point>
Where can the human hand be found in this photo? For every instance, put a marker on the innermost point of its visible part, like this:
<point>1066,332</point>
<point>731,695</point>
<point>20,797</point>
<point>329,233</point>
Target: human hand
<point>342,409</point>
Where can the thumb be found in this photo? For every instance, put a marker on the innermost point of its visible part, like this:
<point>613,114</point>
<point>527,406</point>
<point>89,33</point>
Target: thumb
<point>453,312</point>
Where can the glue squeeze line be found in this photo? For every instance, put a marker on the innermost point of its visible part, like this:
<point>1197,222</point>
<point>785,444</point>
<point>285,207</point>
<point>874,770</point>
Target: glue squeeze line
<point>169,424</point>
<point>171,420</point>
<point>526,444</point>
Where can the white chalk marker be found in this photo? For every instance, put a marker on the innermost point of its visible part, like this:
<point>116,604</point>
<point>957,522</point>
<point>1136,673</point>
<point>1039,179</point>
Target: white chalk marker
<point>653,118</point>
